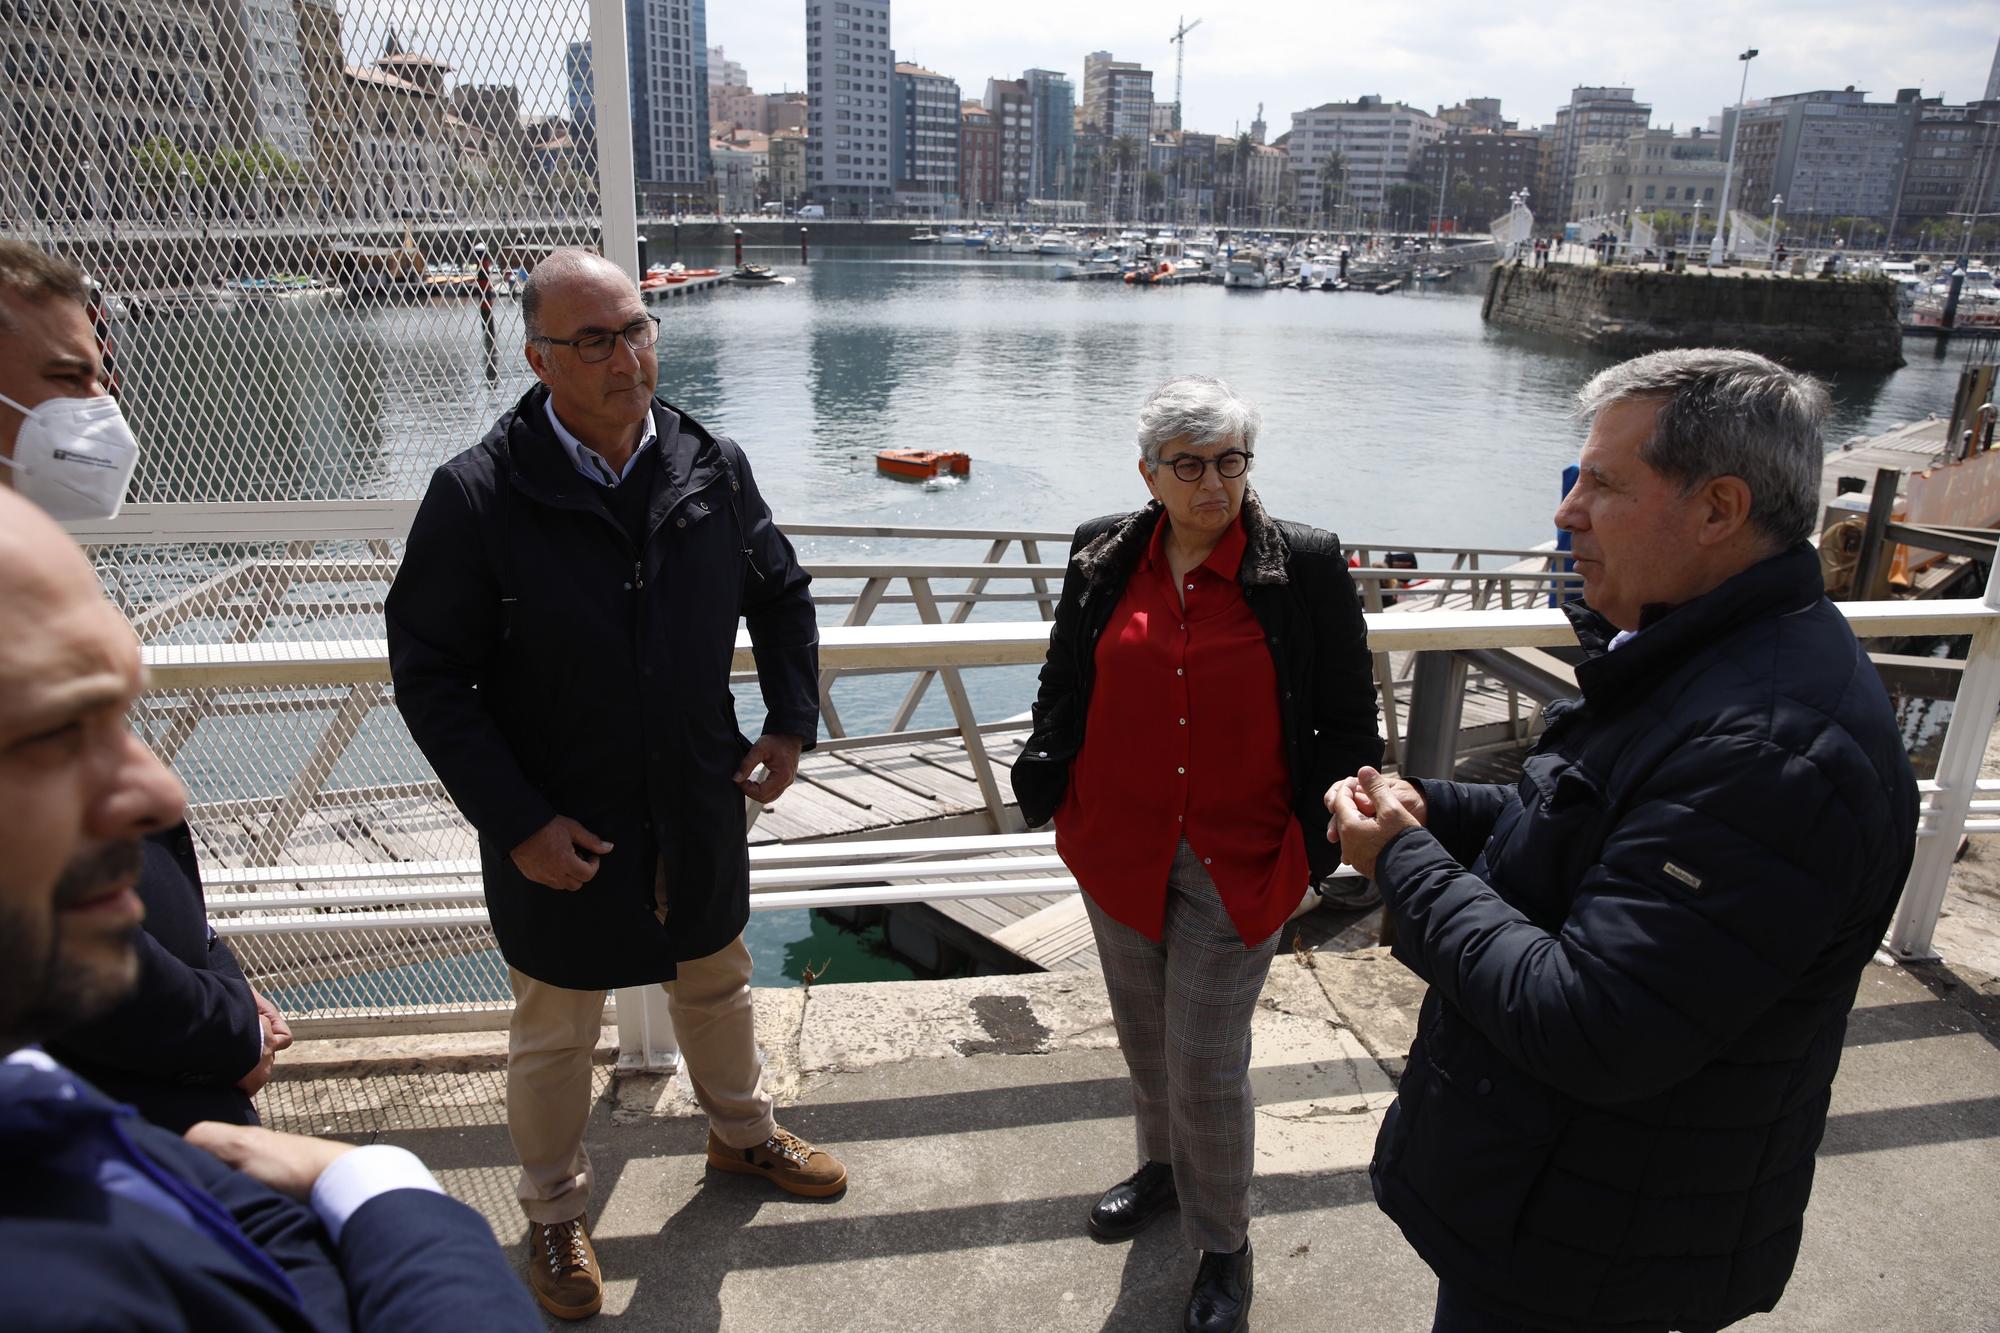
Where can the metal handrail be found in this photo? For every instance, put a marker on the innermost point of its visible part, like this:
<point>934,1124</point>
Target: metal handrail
<point>1953,795</point>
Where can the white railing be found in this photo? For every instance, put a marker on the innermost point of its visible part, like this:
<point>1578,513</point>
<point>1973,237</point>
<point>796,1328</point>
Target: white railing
<point>1950,800</point>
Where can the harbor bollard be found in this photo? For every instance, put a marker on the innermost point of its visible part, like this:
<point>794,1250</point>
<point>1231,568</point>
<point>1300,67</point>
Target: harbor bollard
<point>486,313</point>
<point>804,257</point>
<point>739,247</point>
<point>642,254</point>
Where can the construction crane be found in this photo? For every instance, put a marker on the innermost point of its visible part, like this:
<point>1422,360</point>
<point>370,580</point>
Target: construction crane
<point>1179,40</point>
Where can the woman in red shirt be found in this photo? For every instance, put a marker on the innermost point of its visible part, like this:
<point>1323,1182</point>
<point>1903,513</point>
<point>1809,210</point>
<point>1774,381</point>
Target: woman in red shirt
<point>1208,678</point>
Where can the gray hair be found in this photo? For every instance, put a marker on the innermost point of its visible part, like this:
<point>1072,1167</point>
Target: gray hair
<point>1725,413</point>
<point>1197,410</point>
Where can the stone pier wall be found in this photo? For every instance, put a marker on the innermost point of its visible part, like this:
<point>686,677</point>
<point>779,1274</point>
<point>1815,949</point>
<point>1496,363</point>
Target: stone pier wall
<point>1806,323</point>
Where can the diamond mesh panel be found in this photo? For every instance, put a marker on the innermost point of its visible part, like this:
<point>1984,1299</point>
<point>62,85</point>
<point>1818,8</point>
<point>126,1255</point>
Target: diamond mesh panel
<point>305,219</point>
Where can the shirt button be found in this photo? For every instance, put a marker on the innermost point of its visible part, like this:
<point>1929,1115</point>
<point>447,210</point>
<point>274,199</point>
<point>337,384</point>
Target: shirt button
<point>1180,770</point>
<point>628,587</point>
<point>680,522</point>
<point>1190,587</point>
<point>1184,722</point>
<point>1208,860</point>
<point>1179,672</point>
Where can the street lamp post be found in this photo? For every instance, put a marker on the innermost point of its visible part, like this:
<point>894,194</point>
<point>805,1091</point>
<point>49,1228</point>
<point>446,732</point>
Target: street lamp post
<point>1694,230</point>
<point>1729,168</point>
<point>1776,201</point>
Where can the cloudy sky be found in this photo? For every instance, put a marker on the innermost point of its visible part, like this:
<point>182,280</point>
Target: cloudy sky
<point>1291,55</point>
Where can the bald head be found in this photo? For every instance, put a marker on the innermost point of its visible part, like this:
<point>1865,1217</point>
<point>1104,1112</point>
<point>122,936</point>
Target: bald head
<point>42,571</point>
<point>562,270</point>
<point>77,789</point>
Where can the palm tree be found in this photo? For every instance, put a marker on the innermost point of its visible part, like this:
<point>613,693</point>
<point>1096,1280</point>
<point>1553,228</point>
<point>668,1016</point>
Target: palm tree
<point>1332,187</point>
<point>1241,152</point>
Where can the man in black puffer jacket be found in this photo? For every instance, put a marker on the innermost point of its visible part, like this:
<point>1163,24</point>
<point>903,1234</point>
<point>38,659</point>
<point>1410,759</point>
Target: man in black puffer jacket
<point>1642,956</point>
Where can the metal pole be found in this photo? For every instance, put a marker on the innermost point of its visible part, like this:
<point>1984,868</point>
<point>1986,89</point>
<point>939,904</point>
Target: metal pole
<point>1715,246</point>
<point>1957,778</point>
<point>617,186</point>
<point>486,313</point>
<point>804,256</point>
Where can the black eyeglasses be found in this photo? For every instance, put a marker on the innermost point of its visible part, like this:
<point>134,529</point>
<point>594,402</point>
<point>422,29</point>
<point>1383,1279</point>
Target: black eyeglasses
<point>638,335</point>
<point>1231,463</point>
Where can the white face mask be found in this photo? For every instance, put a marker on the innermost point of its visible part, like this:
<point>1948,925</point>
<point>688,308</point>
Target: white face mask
<point>74,456</point>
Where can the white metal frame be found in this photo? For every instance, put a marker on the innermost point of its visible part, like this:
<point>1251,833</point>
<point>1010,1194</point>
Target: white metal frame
<point>1950,800</point>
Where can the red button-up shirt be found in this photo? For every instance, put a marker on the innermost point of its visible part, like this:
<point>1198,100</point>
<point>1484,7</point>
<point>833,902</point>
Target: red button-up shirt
<point>1183,740</point>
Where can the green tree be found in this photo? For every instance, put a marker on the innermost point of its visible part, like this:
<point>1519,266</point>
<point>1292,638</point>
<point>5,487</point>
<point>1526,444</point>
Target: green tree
<point>1332,189</point>
<point>1409,204</point>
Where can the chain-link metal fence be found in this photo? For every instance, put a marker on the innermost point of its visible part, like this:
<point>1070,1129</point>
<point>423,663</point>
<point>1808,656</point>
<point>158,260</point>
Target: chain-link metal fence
<point>307,221</point>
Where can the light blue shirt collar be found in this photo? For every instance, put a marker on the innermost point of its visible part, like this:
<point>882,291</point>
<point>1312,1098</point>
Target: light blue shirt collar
<point>587,460</point>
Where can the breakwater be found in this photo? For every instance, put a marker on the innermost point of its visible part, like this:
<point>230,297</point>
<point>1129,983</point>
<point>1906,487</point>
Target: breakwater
<point>1806,323</point>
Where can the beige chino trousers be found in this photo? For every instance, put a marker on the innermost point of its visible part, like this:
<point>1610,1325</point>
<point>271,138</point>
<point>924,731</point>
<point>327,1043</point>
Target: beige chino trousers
<point>549,1045</point>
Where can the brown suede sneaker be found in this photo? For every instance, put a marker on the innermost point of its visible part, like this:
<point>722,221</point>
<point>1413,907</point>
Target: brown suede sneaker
<point>786,1160</point>
<point>562,1269</point>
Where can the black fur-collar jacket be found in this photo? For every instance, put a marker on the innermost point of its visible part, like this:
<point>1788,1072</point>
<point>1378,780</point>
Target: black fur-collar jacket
<point>1296,582</point>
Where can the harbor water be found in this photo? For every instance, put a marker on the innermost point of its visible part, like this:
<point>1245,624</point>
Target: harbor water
<point>1395,420</point>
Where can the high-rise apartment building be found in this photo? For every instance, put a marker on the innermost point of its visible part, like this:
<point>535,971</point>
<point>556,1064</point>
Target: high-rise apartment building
<point>978,159</point>
<point>724,72</point>
<point>1479,170</point>
<point>925,141</point>
<point>850,63</point>
<point>1953,166</point>
<point>1054,97</point>
<point>1118,97</point>
<point>1014,119</point>
<point>667,45</point>
<point>1593,116</point>
<point>262,64</point>
<point>1829,154</point>
<point>581,95</point>
<point>1377,143</point>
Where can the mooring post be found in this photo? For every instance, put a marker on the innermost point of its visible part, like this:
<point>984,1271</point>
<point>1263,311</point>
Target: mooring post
<point>739,247</point>
<point>486,312</point>
<point>804,256</point>
<point>1871,567</point>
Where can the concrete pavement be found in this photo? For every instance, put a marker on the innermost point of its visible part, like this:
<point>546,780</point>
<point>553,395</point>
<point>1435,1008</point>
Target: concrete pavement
<point>981,1118</point>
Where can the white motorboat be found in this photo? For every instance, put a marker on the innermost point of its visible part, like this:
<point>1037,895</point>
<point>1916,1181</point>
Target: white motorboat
<point>1055,243</point>
<point>1245,272</point>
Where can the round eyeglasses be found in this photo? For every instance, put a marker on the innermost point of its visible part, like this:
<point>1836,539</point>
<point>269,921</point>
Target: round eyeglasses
<point>638,335</point>
<point>1230,463</point>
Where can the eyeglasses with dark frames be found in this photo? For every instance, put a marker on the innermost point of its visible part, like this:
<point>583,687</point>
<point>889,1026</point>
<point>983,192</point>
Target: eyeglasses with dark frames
<point>593,348</point>
<point>1230,463</point>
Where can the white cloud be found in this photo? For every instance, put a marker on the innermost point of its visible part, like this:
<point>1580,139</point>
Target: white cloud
<point>1291,54</point>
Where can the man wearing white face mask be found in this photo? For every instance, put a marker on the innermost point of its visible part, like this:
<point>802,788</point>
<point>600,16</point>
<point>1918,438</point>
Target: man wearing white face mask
<point>63,442</point>
<point>193,1041</point>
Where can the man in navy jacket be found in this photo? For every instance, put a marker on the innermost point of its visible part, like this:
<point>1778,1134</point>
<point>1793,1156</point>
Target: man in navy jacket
<point>107,1221</point>
<point>1642,956</point>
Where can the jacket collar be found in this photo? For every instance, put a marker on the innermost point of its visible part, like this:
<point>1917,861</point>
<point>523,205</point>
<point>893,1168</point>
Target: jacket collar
<point>1778,585</point>
<point>1112,555</point>
<point>526,446</point>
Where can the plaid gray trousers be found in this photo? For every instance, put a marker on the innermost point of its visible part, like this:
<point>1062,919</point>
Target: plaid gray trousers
<point>1182,1007</point>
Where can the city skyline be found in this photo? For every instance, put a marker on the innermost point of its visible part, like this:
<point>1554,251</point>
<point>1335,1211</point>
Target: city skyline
<point>1530,60</point>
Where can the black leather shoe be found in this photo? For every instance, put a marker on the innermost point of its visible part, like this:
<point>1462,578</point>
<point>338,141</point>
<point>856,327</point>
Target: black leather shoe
<point>1130,1206</point>
<point>1220,1302</point>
